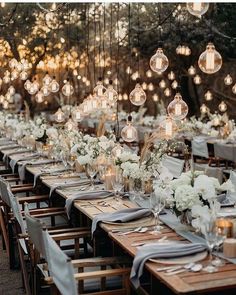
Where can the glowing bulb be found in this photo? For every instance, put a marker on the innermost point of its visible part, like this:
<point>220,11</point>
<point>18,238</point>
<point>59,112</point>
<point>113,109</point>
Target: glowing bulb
<point>5,104</point>
<point>23,75</point>
<point>6,79</point>
<point>54,86</point>
<point>150,87</point>
<point>45,90</point>
<point>228,80</point>
<point>129,133</point>
<point>171,75</point>
<point>192,71</point>
<point>155,97</point>
<point>197,8</point>
<point>204,109</point>
<point>13,63</point>
<point>137,95</point>
<point>47,80</point>
<point>77,115</point>
<point>223,106</point>
<point>99,89</point>
<point>14,74</point>
<point>234,88</point>
<point>2,99</point>
<point>210,61</point>
<point>208,96</point>
<point>174,84</point>
<point>149,73</point>
<point>27,84</point>
<point>167,92</point>
<point>168,127</point>
<point>159,62</point>
<point>144,86</point>
<point>177,108</point>
<point>11,90</point>
<point>162,84</point>
<point>33,88</point>
<point>110,93</point>
<point>59,116</point>
<point>39,97</point>
<point>67,89</point>
<point>197,80</point>
<point>70,125</point>
<point>125,96</point>
<point>3,4</point>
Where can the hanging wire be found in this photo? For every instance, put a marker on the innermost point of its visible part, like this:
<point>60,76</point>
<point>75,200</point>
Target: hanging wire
<point>103,40</point>
<point>130,55</point>
<point>111,23</point>
<point>94,44</point>
<point>138,36</point>
<point>117,73</point>
<point>100,46</point>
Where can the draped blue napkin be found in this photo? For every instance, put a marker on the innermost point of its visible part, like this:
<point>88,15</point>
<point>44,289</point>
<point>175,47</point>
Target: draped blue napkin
<point>68,184</point>
<point>158,250</point>
<point>124,215</point>
<point>37,175</point>
<point>86,195</point>
<point>13,162</point>
<point>20,151</point>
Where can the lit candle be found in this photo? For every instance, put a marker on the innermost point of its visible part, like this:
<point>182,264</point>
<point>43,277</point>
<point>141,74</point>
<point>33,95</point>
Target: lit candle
<point>178,109</point>
<point>210,60</point>
<point>225,227</point>
<point>109,176</point>
<point>169,128</point>
<point>77,116</point>
<point>159,63</point>
<point>129,133</point>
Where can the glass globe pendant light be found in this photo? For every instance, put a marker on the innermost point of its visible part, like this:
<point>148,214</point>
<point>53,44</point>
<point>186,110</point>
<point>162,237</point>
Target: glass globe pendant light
<point>77,114</point>
<point>197,80</point>
<point>168,127</point>
<point>174,84</point>
<point>23,75</point>
<point>70,125</point>
<point>137,95</point>
<point>47,79</point>
<point>99,89</point>
<point>192,71</point>
<point>39,97</point>
<point>167,92</point>
<point>210,61</point>
<point>45,90</point>
<point>234,88</point>
<point>228,80</point>
<point>59,116</point>
<point>110,93</point>
<point>197,8</point>
<point>67,89</point>
<point>13,63</point>
<point>6,79</point>
<point>14,74</point>
<point>204,109</point>
<point>222,106</point>
<point>177,108</point>
<point>129,133</point>
<point>54,85</point>
<point>208,96</point>
<point>162,84</point>
<point>11,90</point>
<point>34,87</point>
<point>159,61</point>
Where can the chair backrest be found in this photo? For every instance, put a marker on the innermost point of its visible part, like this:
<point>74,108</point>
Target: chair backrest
<point>17,211</point>
<point>199,147</point>
<point>35,231</point>
<point>60,266</point>
<point>174,165</point>
<point>216,172</point>
<point>4,188</point>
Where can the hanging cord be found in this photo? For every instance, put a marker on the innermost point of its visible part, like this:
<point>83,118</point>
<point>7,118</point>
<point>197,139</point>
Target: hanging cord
<point>130,55</point>
<point>100,46</point>
<point>118,73</point>
<point>103,40</point>
<point>111,23</point>
<point>138,36</point>
<point>94,46</point>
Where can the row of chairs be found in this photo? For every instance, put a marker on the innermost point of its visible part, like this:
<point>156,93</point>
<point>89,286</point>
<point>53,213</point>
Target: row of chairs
<point>52,254</point>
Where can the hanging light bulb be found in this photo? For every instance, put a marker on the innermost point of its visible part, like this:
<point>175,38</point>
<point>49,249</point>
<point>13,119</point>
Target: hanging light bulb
<point>149,73</point>
<point>77,115</point>
<point>208,96</point>
<point>99,89</point>
<point>162,84</point>
<point>171,75</point>
<point>197,8</point>
<point>94,102</point>
<point>228,80</point>
<point>14,74</point>
<point>223,106</point>
<point>54,86</point>
<point>204,109</point>
<point>234,88</point>
<point>167,92</point>
<point>59,116</point>
<point>23,75</point>
<point>150,87</point>
<point>45,90</point>
<point>27,84</point>
<point>6,79</point>
<point>13,63</point>
<point>144,86</point>
<point>2,99</point>
<point>210,61</point>
<point>155,97</point>
<point>125,96</point>
<point>70,125</point>
<point>39,97</point>
<point>11,90</point>
<point>9,97</point>
<point>168,127</point>
<point>137,95</point>
<point>34,87</point>
<point>177,108</point>
<point>47,79</point>
<point>192,71</point>
<point>110,93</point>
<point>159,61</point>
<point>174,84</point>
<point>129,133</point>
<point>1,82</point>
<point>187,51</point>
<point>197,80</point>
<point>67,89</point>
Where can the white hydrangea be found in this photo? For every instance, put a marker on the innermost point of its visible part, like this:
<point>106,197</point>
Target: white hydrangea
<point>185,197</point>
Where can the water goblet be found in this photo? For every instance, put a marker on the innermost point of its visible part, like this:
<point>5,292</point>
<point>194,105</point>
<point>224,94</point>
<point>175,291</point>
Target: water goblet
<point>117,185</point>
<point>157,204</point>
<point>91,170</point>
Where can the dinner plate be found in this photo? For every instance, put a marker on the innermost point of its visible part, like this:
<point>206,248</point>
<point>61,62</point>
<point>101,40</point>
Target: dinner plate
<point>182,260</point>
<point>147,221</point>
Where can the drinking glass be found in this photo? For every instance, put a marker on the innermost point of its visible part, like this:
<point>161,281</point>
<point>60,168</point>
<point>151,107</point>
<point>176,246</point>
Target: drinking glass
<point>157,203</point>
<point>117,184</point>
<point>221,236</point>
<point>210,233</point>
<point>91,170</point>
<point>71,160</point>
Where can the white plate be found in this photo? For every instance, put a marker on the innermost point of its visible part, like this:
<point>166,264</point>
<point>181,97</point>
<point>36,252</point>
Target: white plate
<point>182,260</point>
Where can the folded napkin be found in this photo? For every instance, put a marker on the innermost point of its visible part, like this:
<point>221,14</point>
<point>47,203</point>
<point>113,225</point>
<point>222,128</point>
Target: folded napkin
<point>86,195</point>
<point>51,171</point>
<point>20,151</point>
<point>124,215</point>
<point>68,184</point>
<point>21,169</point>
<point>13,162</point>
<point>156,250</point>
<point>7,147</point>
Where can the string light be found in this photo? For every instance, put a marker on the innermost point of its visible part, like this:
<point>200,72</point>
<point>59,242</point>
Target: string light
<point>192,71</point>
<point>174,84</point>
<point>99,89</point>
<point>67,89</point>
<point>159,61</point>
<point>222,106</point>
<point>167,92</point>
<point>39,97</point>
<point>54,85</point>
<point>234,88</point>
<point>204,109</point>
<point>210,61</point>
<point>208,96</point>
<point>47,79</point>
<point>110,93</point>
<point>59,116</point>
<point>162,84</point>
<point>171,75</point>
<point>155,97</point>
<point>197,80</point>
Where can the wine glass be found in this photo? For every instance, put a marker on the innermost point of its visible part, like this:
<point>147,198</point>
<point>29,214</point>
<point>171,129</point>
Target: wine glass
<point>91,170</point>
<point>210,234</point>
<point>117,185</point>
<point>71,160</point>
<point>157,203</point>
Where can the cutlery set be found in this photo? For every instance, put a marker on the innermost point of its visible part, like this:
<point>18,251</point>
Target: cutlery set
<point>173,270</point>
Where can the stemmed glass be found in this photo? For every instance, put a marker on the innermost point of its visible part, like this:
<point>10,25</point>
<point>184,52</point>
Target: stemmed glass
<point>210,233</point>
<point>221,236</point>
<point>157,204</point>
<point>91,170</point>
<point>71,160</point>
<point>117,184</point>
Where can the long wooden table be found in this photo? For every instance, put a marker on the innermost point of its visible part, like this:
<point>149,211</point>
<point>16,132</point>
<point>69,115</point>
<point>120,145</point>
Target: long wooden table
<point>221,282</point>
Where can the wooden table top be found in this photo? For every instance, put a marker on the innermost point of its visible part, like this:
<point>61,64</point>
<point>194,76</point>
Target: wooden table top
<point>182,283</point>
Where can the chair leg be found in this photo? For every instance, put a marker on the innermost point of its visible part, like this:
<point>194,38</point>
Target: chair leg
<point>24,270</point>
<point>4,232</point>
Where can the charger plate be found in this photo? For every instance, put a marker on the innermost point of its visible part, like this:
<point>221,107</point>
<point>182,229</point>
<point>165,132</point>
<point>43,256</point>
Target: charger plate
<point>182,260</point>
